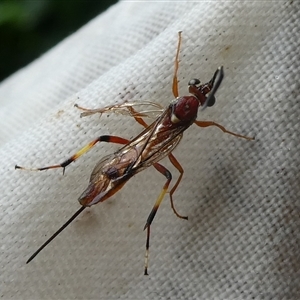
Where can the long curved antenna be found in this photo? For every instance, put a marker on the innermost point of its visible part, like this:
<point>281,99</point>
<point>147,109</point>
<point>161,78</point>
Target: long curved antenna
<point>79,211</point>
<point>215,82</point>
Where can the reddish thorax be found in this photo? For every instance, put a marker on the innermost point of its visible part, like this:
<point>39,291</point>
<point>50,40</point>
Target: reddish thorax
<point>186,108</point>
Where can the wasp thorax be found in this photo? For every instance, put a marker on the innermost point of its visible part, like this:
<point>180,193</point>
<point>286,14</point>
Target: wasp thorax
<point>185,109</point>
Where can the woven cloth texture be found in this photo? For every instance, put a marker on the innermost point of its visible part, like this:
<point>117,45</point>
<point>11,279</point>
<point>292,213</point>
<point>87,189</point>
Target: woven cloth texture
<point>242,239</point>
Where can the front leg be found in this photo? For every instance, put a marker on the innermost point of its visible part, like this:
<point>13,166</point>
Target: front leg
<point>211,123</point>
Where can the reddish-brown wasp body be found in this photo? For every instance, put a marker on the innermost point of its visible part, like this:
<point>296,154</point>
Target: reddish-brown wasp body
<point>155,142</point>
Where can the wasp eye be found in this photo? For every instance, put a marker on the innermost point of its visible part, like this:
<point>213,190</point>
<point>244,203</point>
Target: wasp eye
<point>194,81</point>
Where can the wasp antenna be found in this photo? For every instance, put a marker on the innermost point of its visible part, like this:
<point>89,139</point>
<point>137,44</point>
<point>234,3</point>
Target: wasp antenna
<point>215,82</point>
<point>79,211</point>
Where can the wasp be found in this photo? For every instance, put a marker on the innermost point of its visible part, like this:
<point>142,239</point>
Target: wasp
<point>155,142</point>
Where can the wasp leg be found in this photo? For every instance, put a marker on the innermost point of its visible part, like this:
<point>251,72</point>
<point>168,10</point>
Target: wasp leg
<point>210,123</point>
<point>103,138</point>
<point>177,165</point>
<point>153,212</point>
<point>175,79</point>
<point>133,112</point>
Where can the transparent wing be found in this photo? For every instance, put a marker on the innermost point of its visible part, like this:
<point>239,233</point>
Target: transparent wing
<point>148,109</point>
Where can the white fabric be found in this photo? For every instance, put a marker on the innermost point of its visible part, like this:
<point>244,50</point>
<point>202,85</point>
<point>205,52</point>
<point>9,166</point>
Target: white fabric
<point>242,238</point>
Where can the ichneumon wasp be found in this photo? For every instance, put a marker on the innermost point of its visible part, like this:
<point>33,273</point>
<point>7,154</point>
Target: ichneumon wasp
<point>155,142</point>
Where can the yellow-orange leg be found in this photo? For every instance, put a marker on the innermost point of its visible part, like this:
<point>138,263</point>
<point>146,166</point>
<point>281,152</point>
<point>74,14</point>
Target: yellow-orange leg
<point>153,212</point>
<point>210,123</point>
<point>175,79</point>
<point>138,119</point>
<point>177,165</point>
<point>103,138</point>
